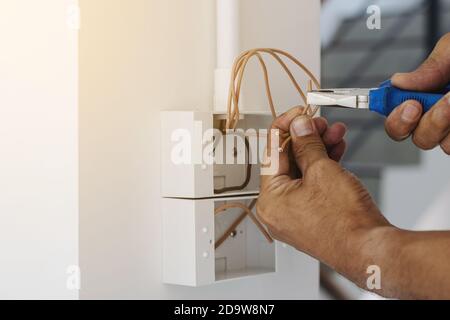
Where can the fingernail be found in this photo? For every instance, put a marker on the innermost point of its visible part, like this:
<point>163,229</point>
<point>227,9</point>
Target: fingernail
<point>395,76</point>
<point>399,74</point>
<point>302,126</point>
<point>410,113</point>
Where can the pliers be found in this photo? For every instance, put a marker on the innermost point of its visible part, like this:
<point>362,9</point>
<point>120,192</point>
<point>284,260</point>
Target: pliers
<point>382,100</point>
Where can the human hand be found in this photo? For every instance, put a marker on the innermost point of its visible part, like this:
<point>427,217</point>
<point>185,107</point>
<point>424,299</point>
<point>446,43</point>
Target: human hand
<point>326,213</point>
<point>433,128</point>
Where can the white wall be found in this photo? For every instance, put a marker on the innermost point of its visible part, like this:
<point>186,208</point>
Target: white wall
<point>408,192</point>
<point>138,57</point>
<point>38,149</point>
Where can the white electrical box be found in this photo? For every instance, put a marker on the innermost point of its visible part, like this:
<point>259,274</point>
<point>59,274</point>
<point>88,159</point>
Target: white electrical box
<point>183,175</point>
<point>204,168</point>
<point>187,141</point>
<point>190,231</point>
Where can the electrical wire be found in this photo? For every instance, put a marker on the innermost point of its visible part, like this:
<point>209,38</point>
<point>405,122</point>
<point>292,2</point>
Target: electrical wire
<point>247,211</point>
<point>248,175</point>
<point>238,71</point>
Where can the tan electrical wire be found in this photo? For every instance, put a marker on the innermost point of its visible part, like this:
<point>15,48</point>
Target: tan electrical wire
<point>247,211</point>
<point>238,71</point>
<point>248,175</point>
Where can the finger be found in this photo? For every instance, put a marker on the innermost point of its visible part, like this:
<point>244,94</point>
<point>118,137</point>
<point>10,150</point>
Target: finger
<point>434,125</point>
<point>334,134</point>
<point>332,137</point>
<point>334,141</point>
<point>433,74</point>
<point>445,144</point>
<point>337,152</point>
<point>275,157</point>
<point>307,145</point>
<point>403,120</point>
<point>283,121</point>
<point>321,125</point>
<point>428,77</point>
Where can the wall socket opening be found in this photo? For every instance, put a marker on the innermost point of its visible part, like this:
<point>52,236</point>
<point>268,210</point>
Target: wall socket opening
<point>246,251</point>
<point>238,155</point>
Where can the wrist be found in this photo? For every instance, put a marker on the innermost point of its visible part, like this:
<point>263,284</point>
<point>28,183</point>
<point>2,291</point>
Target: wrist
<point>367,247</point>
<point>380,243</point>
<point>370,247</point>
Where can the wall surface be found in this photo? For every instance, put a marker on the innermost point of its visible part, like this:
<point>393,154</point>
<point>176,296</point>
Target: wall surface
<point>139,57</point>
<point>408,192</point>
<point>38,149</point>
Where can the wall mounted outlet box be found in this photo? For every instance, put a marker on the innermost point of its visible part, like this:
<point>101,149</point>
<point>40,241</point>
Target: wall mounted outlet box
<point>183,172</point>
<point>185,145</point>
<point>193,188</point>
<point>190,231</point>
<point>188,242</point>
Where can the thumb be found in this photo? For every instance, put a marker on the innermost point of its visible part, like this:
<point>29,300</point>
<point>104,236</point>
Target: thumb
<point>307,144</point>
<point>432,75</point>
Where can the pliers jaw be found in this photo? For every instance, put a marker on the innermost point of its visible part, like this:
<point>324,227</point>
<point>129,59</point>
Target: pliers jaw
<point>346,98</point>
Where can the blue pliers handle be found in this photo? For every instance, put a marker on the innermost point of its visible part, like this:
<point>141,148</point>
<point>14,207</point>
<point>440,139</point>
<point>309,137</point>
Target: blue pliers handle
<point>386,98</point>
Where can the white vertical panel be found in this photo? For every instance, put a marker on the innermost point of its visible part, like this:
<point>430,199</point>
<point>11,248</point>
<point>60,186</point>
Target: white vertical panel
<point>188,247</point>
<point>38,148</point>
<point>228,32</point>
<point>182,141</point>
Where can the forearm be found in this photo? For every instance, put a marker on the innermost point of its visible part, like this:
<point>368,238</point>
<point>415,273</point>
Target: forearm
<point>413,265</point>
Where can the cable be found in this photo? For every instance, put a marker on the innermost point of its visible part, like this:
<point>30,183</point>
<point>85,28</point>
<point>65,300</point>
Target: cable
<point>238,71</point>
<point>247,211</point>
<point>247,176</point>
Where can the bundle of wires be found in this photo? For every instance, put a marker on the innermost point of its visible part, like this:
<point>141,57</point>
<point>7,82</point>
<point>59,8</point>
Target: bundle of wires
<point>233,113</point>
<point>237,76</point>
